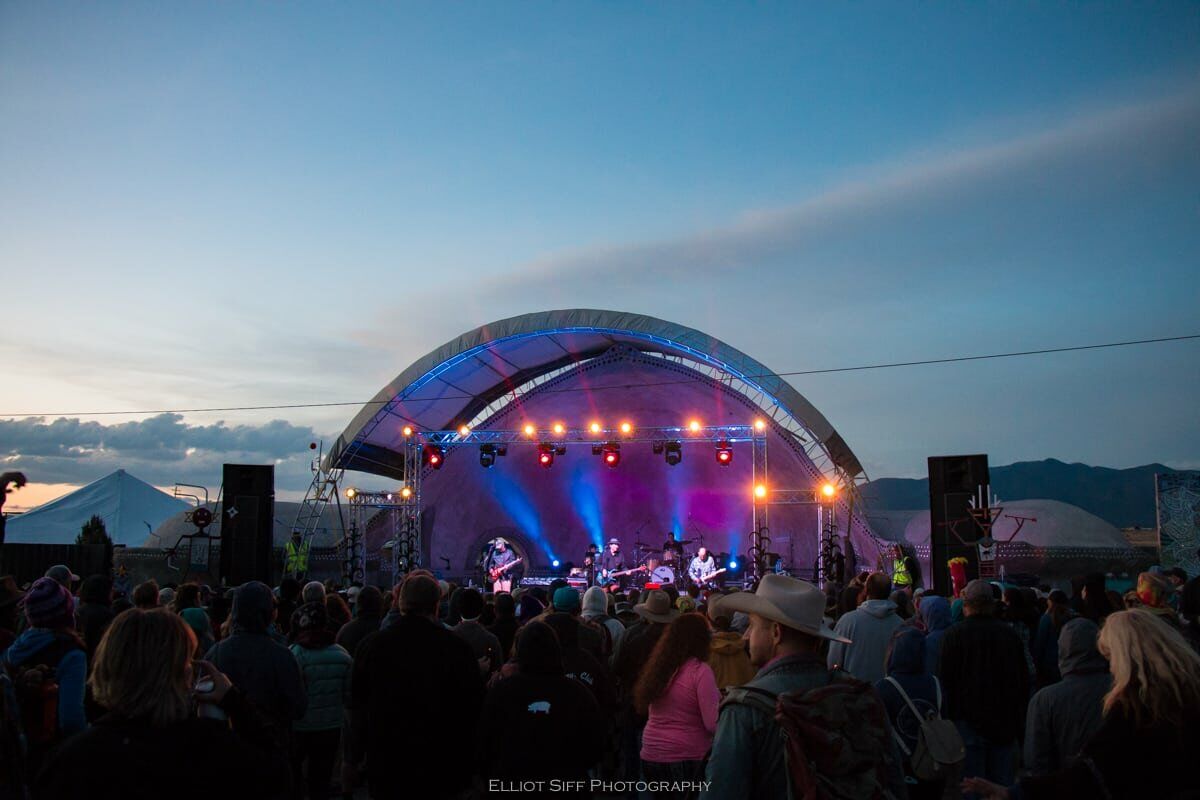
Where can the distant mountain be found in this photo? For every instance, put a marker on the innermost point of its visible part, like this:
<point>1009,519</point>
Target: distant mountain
<point>1124,497</point>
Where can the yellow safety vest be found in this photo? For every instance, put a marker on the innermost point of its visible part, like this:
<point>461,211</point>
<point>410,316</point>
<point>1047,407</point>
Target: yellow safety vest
<point>295,558</point>
<point>900,576</point>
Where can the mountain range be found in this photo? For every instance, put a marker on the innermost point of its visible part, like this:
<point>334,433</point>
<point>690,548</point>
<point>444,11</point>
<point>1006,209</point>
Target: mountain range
<point>1124,497</point>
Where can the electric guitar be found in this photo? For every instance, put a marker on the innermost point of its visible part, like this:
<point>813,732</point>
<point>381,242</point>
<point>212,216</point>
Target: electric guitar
<point>495,572</point>
<point>709,577</point>
<point>612,576</point>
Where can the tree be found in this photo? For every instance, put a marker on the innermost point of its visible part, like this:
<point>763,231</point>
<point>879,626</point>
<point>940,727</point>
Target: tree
<point>93,532</point>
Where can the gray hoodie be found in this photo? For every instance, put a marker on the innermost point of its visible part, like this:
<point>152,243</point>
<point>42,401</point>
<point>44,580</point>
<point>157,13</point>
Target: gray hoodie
<point>869,627</point>
<point>1063,716</point>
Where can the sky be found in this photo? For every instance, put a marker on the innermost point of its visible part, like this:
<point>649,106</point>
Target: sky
<point>214,205</point>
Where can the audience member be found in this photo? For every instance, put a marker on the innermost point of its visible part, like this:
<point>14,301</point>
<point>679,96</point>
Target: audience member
<point>505,626</point>
<point>325,667</point>
<point>870,628</point>
<point>145,595</point>
<point>908,686</point>
<point>368,612</point>
<point>484,644</point>
<point>95,612</point>
<point>727,654</point>
<point>935,612</point>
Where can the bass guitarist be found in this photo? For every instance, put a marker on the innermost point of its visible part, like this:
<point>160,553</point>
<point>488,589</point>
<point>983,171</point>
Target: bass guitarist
<point>499,566</point>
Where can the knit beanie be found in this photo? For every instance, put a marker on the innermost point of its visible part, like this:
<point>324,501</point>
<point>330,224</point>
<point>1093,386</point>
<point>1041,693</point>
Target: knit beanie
<point>310,617</point>
<point>566,599</point>
<point>49,604</point>
<point>595,602</point>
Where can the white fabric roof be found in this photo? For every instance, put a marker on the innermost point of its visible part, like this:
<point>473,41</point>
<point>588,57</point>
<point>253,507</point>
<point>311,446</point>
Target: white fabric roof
<point>449,386</point>
<point>129,507</point>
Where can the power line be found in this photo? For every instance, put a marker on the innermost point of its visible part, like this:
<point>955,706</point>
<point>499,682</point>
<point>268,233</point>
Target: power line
<point>640,384</point>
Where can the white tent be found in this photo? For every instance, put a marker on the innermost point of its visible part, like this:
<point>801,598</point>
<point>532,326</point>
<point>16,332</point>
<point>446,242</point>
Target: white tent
<point>129,507</point>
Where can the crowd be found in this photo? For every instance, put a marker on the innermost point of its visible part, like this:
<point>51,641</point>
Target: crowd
<point>437,690</point>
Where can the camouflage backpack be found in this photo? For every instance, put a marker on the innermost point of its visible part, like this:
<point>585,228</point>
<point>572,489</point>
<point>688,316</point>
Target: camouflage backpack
<point>835,738</point>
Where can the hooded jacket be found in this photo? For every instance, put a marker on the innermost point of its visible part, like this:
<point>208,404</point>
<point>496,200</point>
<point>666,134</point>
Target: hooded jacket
<point>935,613</point>
<point>256,663</point>
<point>70,674</point>
<point>729,661</point>
<point>985,678</point>
<point>1064,716</point>
<point>869,628</point>
<point>906,666</point>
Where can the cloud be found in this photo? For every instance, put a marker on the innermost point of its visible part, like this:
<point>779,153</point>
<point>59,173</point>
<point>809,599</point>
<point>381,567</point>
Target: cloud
<point>162,449</point>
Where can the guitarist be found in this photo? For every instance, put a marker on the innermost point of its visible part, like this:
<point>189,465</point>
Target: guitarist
<point>702,566</point>
<point>498,566</point>
<point>613,560</point>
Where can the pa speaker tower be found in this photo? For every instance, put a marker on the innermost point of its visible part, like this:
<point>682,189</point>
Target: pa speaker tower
<point>247,523</point>
<point>953,482</point>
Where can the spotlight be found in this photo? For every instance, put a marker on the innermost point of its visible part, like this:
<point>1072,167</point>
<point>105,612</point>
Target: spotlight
<point>657,447</point>
<point>558,428</point>
<point>406,492</point>
<point>733,563</point>
<point>487,455</point>
<point>674,453</point>
<point>546,455</point>
<point>594,427</point>
<point>464,431</point>
<point>389,497</point>
<point>407,431</point>
<point>597,449</point>
<point>760,491</point>
<point>828,490</point>
<point>724,453</point>
<point>612,454</point>
<point>626,428</point>
<point>434,456</point>
<point>530,430</point>
<point>759,425</point>
<point>694,426</point>
<point>555,563</point>
<point>351,493</point>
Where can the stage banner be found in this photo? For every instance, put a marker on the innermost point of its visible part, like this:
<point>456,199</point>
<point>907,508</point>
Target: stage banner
<point>1178,496</point>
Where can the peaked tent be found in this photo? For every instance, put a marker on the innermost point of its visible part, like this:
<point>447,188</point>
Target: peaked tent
<point>129,507</point>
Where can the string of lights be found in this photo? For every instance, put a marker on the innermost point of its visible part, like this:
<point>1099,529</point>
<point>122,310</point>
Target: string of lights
<point>625,385</point>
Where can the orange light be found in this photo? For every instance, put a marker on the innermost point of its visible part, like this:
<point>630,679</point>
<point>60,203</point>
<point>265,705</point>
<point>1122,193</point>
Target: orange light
<point>759,425</point>
<point>407,430</point>
<point>464,431</point>
<point>828,490</point>
<point>529,430</point>
<point>626,427</point>
<point>694,426</point>
<point>595,427</point>
<point>760,491</point>
<point>351,492</point>
<point>406,492</point>
<point>558,428</point>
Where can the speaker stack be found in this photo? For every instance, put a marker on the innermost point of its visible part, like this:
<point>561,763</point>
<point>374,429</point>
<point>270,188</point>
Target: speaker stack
<point>247,523</point>
<point>953,482</point>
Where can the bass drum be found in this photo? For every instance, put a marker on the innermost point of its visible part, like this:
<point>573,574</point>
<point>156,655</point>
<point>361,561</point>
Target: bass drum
<point>662,575</point>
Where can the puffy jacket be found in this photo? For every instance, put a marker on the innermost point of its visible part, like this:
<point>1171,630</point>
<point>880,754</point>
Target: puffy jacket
<point>70,673</point>
<point>1064,716</point>
<point>728,659</point>
<point>326,674</point>
<point>869,629</point>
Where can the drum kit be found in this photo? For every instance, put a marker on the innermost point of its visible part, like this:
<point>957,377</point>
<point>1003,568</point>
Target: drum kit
<point>658,567</point>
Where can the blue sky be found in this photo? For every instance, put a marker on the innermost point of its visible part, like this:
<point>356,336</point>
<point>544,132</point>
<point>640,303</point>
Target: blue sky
<point>208,204</point>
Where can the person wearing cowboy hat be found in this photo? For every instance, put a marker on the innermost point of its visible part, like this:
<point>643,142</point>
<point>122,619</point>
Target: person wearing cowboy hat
<point>785,637</point>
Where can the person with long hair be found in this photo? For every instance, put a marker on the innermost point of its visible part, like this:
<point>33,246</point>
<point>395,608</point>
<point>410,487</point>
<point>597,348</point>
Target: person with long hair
<point>1151,727</point>
<point>678,691</point>
<point>186,596</point>
<point>152,735</point>
<point>1045,639</point>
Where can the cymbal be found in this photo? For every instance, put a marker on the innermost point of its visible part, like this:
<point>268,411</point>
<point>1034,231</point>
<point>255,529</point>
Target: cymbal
<point>642,544</point>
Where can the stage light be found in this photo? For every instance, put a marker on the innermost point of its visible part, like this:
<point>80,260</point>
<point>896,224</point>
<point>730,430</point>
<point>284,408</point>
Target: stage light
<point>828,490</point>
<point>657,447</point>
<point>434,456</point>
<point>559,428</point>
<point>530,430</point>
<point>407,431</point>
<point>724,453</point>
<point>626,428</point>
<point>694,426</point>
<point>464,431</point>
<point>733,563</point>
<point>759,425</point>
<point>612,454</point>
<point>555,563</point>
<point>594,427</point>
<point>487,455</point>
<point>351,493</point>
<point>546,455</point>
<point>389,497</point>
<point>406,492</point>
<point>760,491</point>
<point>674,453</point>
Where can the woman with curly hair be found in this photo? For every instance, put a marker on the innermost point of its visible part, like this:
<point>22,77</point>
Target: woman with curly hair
<point>678,690</point>
<point>1151,728</point>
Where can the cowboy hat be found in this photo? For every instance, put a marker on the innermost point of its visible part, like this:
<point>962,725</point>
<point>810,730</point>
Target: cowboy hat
<point>793,603</point>
<point>656,607</point>
<point>614,540</point>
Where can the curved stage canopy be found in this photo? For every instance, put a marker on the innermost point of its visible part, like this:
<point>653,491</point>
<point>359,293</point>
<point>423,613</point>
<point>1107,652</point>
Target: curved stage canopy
<point>580,365</point>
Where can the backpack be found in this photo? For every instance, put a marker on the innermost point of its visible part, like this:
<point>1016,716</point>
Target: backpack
<point>835,738</point>
<point>939,745</point>
<point>32,692</point>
